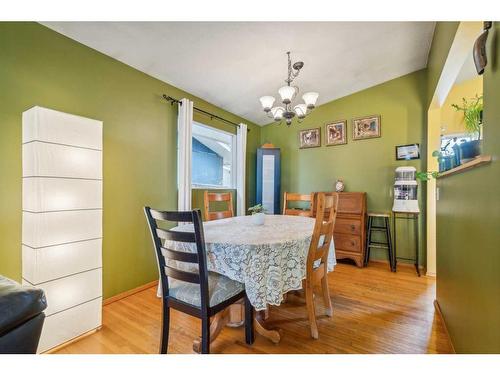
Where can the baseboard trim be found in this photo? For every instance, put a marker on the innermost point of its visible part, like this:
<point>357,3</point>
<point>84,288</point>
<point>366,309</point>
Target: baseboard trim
<point>440,313</point>
<point>75,339</point>
<point>130,292</point>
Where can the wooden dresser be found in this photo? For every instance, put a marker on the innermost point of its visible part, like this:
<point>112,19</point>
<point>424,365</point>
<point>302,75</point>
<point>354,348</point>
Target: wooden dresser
<point>350,227</point>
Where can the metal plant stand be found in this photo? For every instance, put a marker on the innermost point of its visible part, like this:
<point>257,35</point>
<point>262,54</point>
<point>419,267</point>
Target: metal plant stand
<point>406,216</point>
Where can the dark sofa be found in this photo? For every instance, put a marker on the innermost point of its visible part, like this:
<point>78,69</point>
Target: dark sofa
<point>21,317</point>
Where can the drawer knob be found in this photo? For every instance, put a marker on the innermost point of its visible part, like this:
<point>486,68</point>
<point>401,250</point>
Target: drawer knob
<point>352,243</point>
<point>353,227</point>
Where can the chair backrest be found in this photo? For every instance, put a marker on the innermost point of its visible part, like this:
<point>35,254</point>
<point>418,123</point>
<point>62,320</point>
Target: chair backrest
<point>327,194</point>
<point>218,197</point>
<point>296,197</point>
<point>325,208</point>
<point>164,252</point>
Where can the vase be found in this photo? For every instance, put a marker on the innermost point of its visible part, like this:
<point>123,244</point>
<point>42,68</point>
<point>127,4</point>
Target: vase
<point>259,218</point>
<point>469,150</point>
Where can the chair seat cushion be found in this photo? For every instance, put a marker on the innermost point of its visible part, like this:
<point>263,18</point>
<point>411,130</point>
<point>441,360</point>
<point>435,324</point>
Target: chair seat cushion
<point>18,304</point>
<point>220,288</point>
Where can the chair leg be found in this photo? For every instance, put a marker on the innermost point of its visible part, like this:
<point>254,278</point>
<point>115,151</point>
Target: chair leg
<point>368,240</point>
<point>326,295</point>
<point>311,310</point>
<point>249,332</point>
<point>205,335</point>
<point>389,243</point>
<point>165,325</point>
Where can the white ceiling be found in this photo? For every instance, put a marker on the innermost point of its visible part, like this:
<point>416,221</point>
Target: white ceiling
<point>232,64</point>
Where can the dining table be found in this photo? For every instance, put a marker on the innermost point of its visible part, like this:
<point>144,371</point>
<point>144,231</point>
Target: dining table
<point>270,259</point>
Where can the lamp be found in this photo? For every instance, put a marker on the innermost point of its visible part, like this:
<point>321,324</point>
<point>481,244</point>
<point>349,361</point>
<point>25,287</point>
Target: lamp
<point>277,113</point>
<point>300,110</point>
<point>310,99</point>
<point>267,102</point>
<point>62,220</point>
<point>287,94</point>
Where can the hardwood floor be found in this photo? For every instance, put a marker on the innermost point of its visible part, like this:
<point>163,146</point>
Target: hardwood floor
<point>374,311</point>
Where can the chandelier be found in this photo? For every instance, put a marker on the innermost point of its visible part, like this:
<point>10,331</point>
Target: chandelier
<point>288,93</point>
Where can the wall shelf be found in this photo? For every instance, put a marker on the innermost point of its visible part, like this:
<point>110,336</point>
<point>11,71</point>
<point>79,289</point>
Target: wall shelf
<point>478,161</point>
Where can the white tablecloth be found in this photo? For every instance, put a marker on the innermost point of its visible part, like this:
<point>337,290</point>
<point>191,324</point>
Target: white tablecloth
<point>269,259</point>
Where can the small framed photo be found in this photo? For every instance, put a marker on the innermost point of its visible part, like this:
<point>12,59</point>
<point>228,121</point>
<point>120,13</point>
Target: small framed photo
<point>366,127</point>
<point>408,152</point>
<point>336,133</point>
<point>310,138</point>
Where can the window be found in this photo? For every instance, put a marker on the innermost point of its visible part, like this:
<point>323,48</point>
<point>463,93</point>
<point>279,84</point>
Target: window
<point>213,158</point>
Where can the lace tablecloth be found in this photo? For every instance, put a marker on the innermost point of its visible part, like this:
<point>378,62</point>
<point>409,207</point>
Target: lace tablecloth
<point>269,259</point>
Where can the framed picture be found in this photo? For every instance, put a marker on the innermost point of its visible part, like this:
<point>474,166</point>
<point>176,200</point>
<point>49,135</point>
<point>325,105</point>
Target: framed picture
<point>310,138</point>
<point>408,152</point>
<point>366,127</point>
<point>336,133</point>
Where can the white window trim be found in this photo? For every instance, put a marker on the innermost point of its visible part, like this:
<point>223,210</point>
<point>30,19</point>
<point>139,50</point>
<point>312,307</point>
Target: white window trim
<point>233,161</point>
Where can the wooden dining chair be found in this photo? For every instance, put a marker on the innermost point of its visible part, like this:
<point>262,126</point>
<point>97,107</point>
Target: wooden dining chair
<point>325,208</point>
<point>201,294</point>
<point>296,197</point>
<point>218,197</point>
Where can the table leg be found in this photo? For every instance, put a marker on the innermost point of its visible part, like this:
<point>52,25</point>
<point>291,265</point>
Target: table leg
<point>221,319</point>
<point>259,326</point>
<point>236,314</point>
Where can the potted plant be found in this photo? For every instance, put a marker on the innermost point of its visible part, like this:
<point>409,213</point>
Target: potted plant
<point>258,215</point>
<point>473,118</point>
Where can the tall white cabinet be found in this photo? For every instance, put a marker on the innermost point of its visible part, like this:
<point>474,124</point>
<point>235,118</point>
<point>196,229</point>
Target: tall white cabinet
<point>62,220</point>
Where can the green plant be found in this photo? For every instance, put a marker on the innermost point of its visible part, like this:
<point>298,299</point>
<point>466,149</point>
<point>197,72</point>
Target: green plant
<point>256,209</point>
<point>426,176</point>
<point>472,113</point>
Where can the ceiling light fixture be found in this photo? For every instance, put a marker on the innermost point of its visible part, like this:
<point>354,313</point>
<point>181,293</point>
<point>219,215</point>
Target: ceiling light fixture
<point>287,94</point>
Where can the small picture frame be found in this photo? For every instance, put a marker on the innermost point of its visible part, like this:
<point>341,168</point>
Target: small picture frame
<point>335,133</point>
<point>366,127</point>
<point>310,138</point>
<point>408,152</point>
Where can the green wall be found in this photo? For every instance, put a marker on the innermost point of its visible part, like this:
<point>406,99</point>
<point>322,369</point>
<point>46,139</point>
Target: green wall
<point>365,165</point>
<point>41,67</point>
<point>444,33</point>
<point>468,233</point>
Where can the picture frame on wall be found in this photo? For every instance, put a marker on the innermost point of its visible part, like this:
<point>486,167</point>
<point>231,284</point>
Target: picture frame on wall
<point>310,138</point>
<point>408,152</point>
<point>366,127</point>
<point>335,133</point>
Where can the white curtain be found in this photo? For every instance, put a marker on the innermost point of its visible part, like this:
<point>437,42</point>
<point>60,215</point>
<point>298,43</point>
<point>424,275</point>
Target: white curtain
<point>184,145</point>
<point>241,153</point>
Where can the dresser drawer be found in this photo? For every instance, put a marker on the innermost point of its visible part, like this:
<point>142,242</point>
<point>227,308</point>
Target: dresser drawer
<point>347,242</point>
<point>351,203</point>
<point>348,226</point>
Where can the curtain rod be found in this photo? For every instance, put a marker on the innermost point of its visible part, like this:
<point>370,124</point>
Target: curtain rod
<point>211,115</point>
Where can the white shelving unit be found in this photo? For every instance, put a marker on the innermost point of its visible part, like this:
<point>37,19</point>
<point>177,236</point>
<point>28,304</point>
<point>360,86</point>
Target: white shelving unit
<point>62,220</point>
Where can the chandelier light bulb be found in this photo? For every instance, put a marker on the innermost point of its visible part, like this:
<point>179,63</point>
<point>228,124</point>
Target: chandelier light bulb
<point>277,113</point>
<point>267,102</point>
<point>310,99</point>
<point>288,110</point>
<point>287,94</point>
<point>300,110</point>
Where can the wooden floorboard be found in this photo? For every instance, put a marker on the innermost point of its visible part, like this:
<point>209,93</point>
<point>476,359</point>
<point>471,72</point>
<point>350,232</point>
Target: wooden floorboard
<point>375,311</point>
